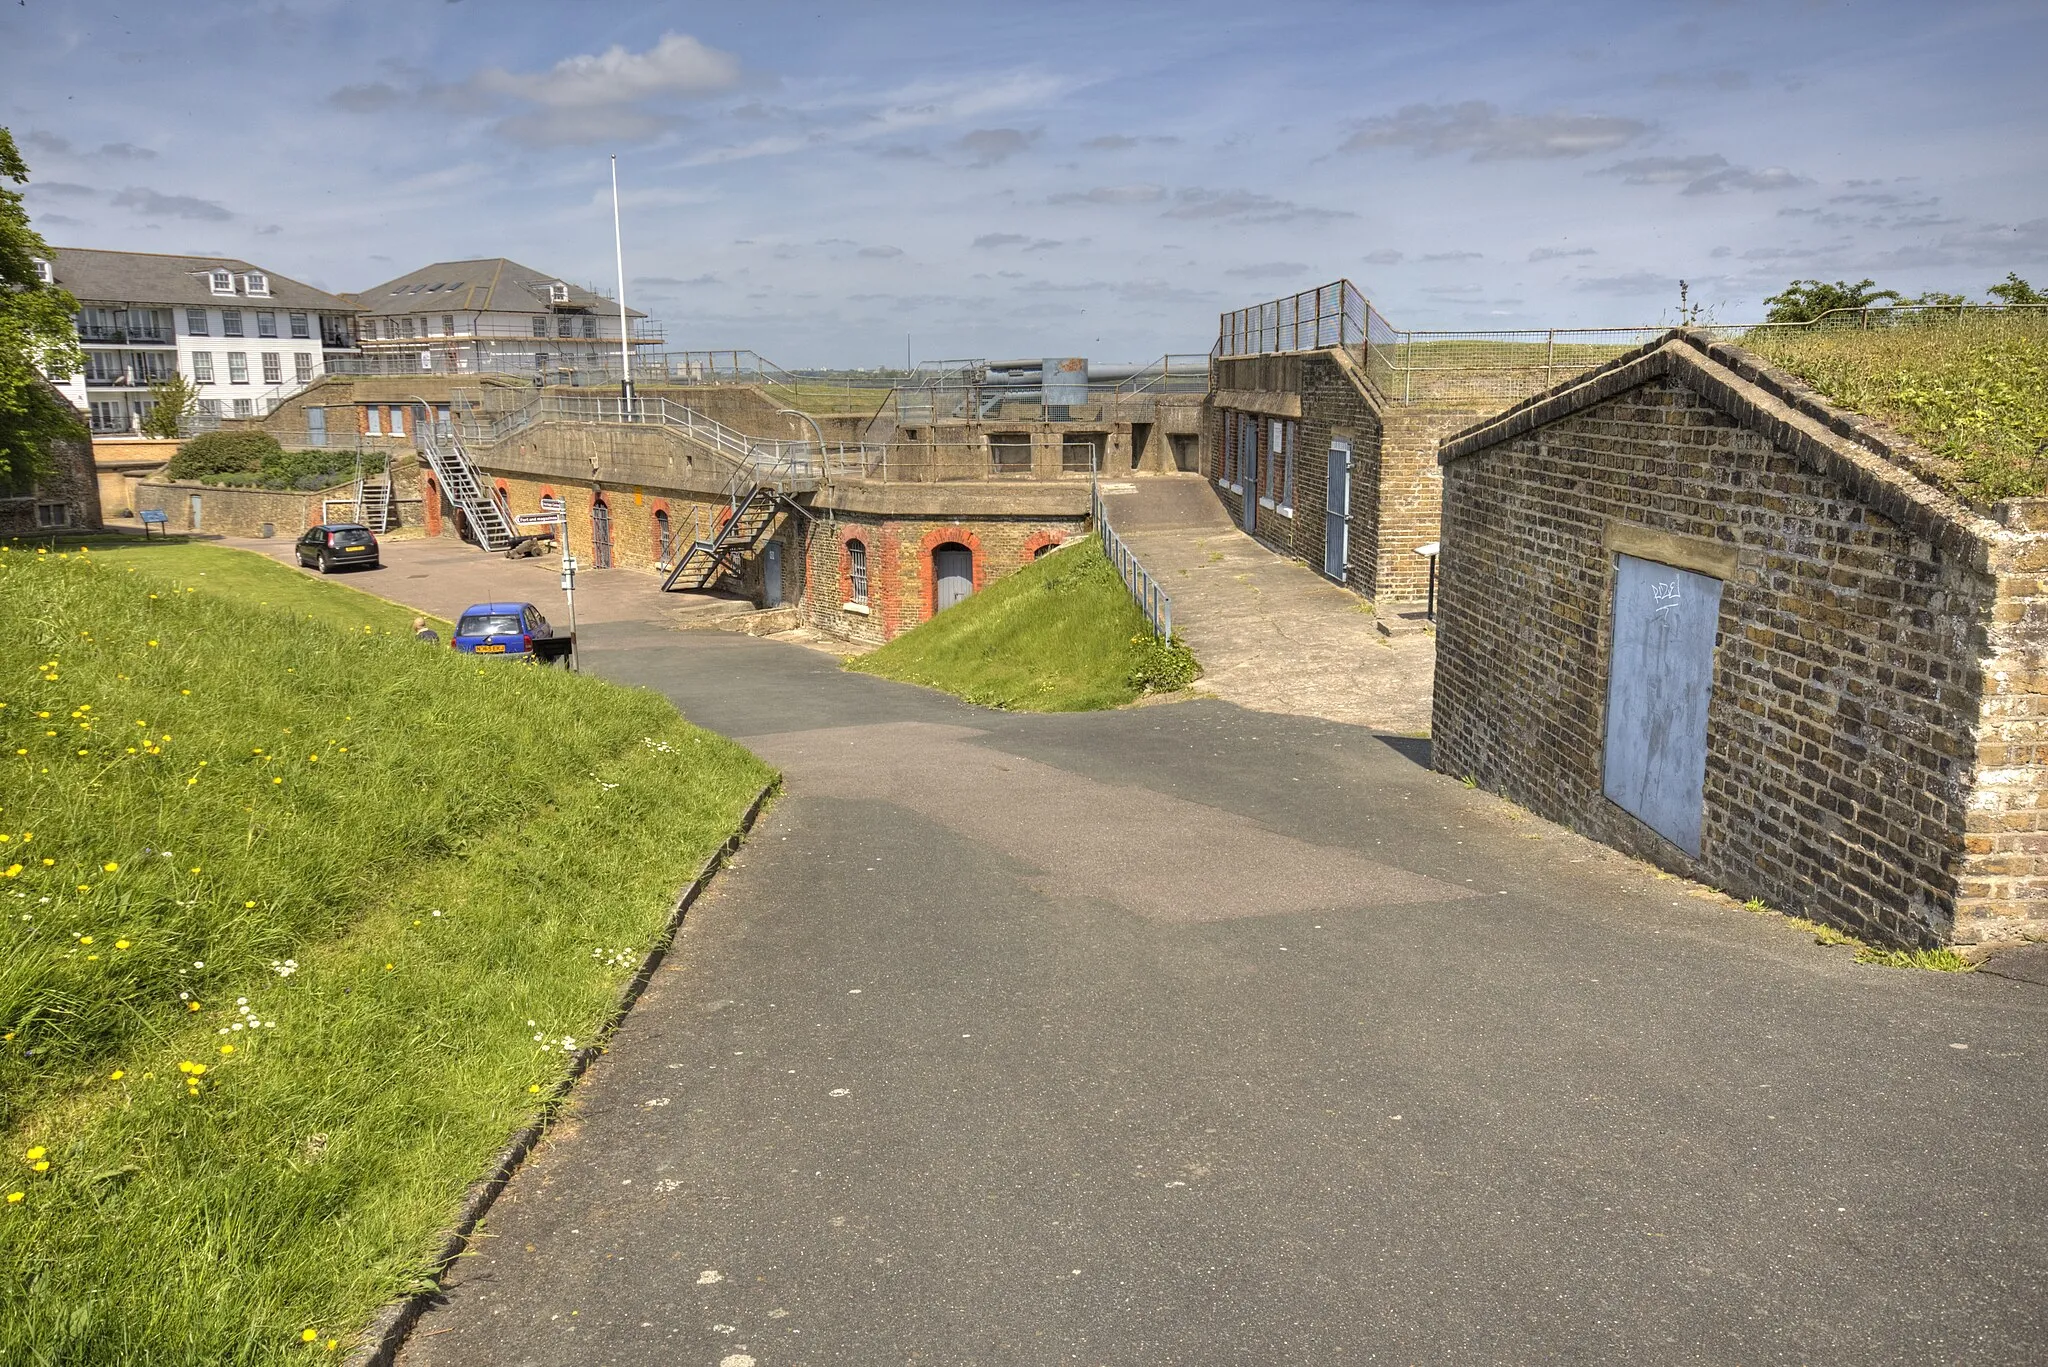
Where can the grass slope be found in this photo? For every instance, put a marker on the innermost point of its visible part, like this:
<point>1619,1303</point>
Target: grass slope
<point>1060,635</point>
<point>252,578</point>
<point>426,878</point>
<point>1971,388</point>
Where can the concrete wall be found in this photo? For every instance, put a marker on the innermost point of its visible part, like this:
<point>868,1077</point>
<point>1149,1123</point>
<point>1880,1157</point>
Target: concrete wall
<point>227,511</point>
<point>1878,703</point>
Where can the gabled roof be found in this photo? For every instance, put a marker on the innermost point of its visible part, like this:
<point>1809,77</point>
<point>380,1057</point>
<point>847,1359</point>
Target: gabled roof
<point>95,277</point>
<point>1882,469</point>
<point>492,284</point>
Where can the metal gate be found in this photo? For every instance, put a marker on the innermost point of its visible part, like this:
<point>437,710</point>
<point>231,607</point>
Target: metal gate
<point>954,565</point>
<point>1660,678</point>
<point>600,536</point>
<point>1337,512</point>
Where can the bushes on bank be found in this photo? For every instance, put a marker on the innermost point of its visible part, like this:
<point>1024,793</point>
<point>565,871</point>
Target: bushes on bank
<point>254,460</point>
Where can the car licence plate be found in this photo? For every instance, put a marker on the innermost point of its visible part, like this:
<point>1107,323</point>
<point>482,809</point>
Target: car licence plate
<point>490,650</point>
<point>351,550</point>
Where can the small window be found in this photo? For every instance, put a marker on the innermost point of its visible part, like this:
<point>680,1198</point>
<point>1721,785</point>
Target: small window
<point>1009,453</point>
<point>238,367</point>
<point>258,284</point>
<point>266,323</point>
<point>302,366</point>
<point>222,282</point>
<point>299,329</point>
<point>589,326</point>
<point>202,367</point>
<point>195,322</point>
<point>273,368</point>
<point>540,360</point>
<point>405,326</point>
<point>397,420</point>
<point>857,570</point>
<point>53,514</point>
<point>44,273</point>
<point>447,325</point>
<point>565,327</point>
<point>210,407</point>
<point>244,408</point>
<point>231,322</point>
<point>558,293</point>
<point>373,420</point>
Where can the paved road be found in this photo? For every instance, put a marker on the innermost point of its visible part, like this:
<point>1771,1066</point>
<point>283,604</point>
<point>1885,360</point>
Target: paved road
<point>1189,1034</point>
<point>1271,633</point>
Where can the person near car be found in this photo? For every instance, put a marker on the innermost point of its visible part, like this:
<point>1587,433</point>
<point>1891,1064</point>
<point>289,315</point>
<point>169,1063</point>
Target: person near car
<point>422,632</point>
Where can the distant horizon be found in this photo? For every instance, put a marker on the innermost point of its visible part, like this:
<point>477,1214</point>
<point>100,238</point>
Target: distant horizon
<point>816,187</point>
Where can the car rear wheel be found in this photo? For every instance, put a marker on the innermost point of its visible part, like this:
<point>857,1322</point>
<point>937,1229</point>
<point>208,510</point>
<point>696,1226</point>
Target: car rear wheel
<point>326,563</point>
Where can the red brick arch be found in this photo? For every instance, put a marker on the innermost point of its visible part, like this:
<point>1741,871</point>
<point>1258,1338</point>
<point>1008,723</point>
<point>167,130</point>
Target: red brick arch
<point>657,508</point>
<point>430,497</point>
<point>927,569</point>
<point>1040,540</point>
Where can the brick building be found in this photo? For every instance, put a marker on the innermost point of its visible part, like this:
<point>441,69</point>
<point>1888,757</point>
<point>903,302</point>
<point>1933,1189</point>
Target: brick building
<point>67,497</point>
<point>1690,609</point>
<point>1316,454</point>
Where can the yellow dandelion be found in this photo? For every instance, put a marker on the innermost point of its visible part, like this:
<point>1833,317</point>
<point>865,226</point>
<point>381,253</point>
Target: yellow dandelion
<point>227,1048</point>
<point>37,1152</point>
<point>117,1075</point>
<point>120,944</point>
<point>152,642</point>
<point>85,939</point>
<point>110,868</point>
<point>248,905</point>
<point>14,1196</point>
<point>309,1336</point>
<point>277,780</point>
<point>42,1166</point>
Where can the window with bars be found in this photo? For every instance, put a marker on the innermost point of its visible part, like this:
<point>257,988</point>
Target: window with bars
<point>857,571</point>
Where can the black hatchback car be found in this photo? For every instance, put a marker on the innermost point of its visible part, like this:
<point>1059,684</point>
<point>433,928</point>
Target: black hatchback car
<point>332,545</point>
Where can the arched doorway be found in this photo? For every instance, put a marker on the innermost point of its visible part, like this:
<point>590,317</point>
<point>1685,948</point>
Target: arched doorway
<point>600,535</point>
<point>952,573</point>
<point>664,539</point>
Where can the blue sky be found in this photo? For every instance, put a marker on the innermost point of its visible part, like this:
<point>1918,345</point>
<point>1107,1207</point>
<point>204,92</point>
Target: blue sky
<point>820,182</point>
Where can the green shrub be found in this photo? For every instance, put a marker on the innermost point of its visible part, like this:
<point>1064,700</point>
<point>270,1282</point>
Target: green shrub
<point>1164,664</point>
<point>222,453</point>
<point>306,470</point>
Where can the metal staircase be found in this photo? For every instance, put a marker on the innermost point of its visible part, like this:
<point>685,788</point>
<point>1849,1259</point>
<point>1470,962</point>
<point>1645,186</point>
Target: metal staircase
<point>375,501</point>
<point>459,483</point>
<point>704,563</point>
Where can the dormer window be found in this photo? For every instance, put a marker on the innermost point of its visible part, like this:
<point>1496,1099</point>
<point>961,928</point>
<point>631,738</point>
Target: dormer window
<point>222,282</point>
<point>558,293</point>
<point>257,283</point>
<point>44,273</point>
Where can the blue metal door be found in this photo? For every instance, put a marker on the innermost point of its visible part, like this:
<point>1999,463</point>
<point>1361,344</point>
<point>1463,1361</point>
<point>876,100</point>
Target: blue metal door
<point>1660,677</point>
<point>771,575</point>
<point>1337,512</point>
<point>954,566</point>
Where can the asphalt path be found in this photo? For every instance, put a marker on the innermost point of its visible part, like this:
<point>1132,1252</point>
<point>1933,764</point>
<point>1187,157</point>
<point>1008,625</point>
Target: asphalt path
<point>1190,1034</point>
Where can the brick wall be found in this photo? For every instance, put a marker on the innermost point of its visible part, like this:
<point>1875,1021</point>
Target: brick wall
<point>900,551</point>
<point>70,480</point>
<point>1846,778</point>
<point>1411,490</point>
<point>226,510</point>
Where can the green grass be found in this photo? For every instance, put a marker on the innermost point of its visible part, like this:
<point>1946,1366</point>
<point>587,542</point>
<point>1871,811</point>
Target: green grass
<point>421,874</point>
<point>226,571</point>
<point>1059,635</point>
<point>1973,389</point>
<point>1942,960</point>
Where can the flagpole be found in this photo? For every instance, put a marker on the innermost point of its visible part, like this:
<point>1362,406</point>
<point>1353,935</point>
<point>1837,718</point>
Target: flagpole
<point>625,344</point>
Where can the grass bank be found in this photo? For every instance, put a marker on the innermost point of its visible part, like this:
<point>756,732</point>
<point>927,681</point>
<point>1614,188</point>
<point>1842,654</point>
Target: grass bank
<point>247,577</point>
<point>299,921</point>
<point>1972,388</point>
<point>1060,635</point>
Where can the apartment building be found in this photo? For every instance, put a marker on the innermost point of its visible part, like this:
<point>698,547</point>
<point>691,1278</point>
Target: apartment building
<point>494,316</point>
<point>245,336</point>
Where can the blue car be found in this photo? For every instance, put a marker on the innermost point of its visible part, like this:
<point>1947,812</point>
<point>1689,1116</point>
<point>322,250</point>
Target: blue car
<point>507,629</point>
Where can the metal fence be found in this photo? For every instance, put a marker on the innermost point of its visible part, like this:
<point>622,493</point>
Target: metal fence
<point>1151,599</point>
<point>1326,316</point>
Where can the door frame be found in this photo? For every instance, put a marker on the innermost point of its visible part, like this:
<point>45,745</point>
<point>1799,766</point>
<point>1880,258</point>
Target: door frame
<point>1337,520</point>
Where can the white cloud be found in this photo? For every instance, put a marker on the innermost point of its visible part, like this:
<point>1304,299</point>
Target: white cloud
<point>677,65</point>
<point>1481,129</point>
<point>146,201</point>
<point>1111,194</point>
<point>1244,206</point>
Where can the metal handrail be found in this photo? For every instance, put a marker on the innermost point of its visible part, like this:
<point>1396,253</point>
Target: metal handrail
<point>1151,599</point>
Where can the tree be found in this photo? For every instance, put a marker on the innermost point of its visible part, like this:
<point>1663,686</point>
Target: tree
<point>2013,290</point>
<point>37,338</point>
<point>1802,301</point>
<point>173,399</point>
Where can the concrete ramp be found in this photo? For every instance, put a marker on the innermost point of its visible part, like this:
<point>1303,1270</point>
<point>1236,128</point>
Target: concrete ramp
<point>1157,502</point>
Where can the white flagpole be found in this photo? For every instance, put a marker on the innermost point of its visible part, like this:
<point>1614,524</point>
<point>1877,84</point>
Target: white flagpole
<point>619,249</point>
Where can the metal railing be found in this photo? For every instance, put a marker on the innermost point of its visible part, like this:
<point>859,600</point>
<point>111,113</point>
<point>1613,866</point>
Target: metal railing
<point>1326,316</point>
<point>1151,599</point>
<point>1173,373</point>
